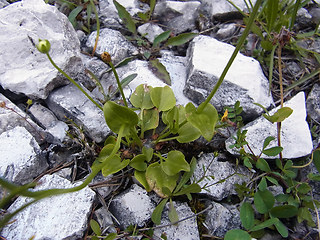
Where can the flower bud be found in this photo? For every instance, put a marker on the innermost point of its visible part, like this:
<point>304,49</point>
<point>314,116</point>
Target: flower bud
<point>105,56</point>
<point>43,46</point>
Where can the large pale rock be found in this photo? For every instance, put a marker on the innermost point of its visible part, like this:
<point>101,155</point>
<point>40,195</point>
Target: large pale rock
<point>222,7</point>
<point>178,16</point>
<point>296,138</point>
<point>186,230</point>
<point>217,171</point>
<point>244,81</point>
<point>3,3</point>
<point>174,65</point>
<point>133,207</point>
<point>71,102</point>
<point>23,69</point>
<point>55,218</point>
<point>21,157</point>
<point>113,42</point>
<point>221,219</point>
<point>11,116</point>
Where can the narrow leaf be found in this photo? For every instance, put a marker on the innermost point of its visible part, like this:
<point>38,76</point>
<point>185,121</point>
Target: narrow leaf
<point>187,175</point>
<point>316,159</point>
<point>159,70</point>
<point>263,165</point>
<point>125,17</point>
<point>157,212</point>
<point>160,38</point>
<point>172,214</point>
<point>267,142</point>
<point>95,227</point>
<point>73,14</point>
<point>181,39</point>
<point>282,229</point>
<point>265,224</point>
<point>192,188</point>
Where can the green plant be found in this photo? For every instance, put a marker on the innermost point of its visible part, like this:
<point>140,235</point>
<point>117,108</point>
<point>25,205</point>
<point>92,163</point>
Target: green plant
<point>166,172</point>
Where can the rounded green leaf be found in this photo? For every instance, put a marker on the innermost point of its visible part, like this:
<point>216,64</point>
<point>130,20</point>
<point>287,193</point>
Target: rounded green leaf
<point>237,234</point>
<point>117,116</point>
<point>247,215</point>
<point>114,165</point>
<point>263,201</point>
<point>141,177</point>
<point>188,133</point>
<point>273,151</point>
<point>263,165</point>
<point>138,162</point>
<point>105,152</point>
<point>140,98</point>
<point>157,179</point>
<point>163,98</point>
<point>280,115</point>
<point>148,152</point>
<point>284,211</point>
<point>205,121</point>
<point>95,227</point>
<point>150,119</point>
<point>174,163</point>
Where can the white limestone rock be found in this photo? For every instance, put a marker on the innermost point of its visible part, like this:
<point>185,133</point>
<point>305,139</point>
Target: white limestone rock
<point>12,116</point>
<point>21,157</point>
<point>296,138</point>
<point>216,171</point>
<point>23,69</point>
<point>174,65</point>
<point>55,218</point>
<point>133,207</point>
<point>186,230</point>
<point>178,16</point>
<point>49,121</point>
<point>150,31</point>
<point>244,81</point>
<point>222,218</point>
<point>71,102</point>
<point>222,7</point>
<point>113,42</point>
<point>3,3</point>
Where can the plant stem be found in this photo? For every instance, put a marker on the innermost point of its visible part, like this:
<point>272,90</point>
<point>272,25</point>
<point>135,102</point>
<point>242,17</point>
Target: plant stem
<point>233,56</point>
<point>74,82</point>
<point>118,82</point>
<point>98,27</point>
<point>281,96</point>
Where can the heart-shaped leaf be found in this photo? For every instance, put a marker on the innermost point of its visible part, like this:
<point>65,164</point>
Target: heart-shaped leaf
<point>117,116</point>
<point>140,98</point>
<point>174,163</point>
<point>138,162</point>
<point>114,165</point>
<point>157,179</point>
<point>163,98</point>
<point>188,133</point>
<point>205,121</point>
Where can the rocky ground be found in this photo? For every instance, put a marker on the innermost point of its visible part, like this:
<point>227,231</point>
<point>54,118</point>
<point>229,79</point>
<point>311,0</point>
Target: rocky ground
<point>56,138</point>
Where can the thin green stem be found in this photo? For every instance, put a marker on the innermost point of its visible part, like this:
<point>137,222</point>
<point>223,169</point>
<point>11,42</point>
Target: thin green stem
<point>119,83</point>
<point>74,82</point>
<point>233,56</point>
<point>98,27</point>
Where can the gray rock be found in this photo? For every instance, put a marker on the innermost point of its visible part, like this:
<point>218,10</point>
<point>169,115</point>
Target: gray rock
<point>69,101</point>
<point>222,7</point>
<point>3,3</point>
<point>174,65</point>
<point>222,218</point>
<point>310,44</point>
<point>176,15</point>
<point>58,217</point>
<point>216,171</point>
<point>150,31</point>
<point>186,230</point>
<point>21,157</point>
<point>113,42</point>
<point>315,13</point>
<point>108,14</point>
<point>104,219</point>
<point>49,121</point>
<point>296,138</point>
<point>303,18</point>
<point>23,68</point>
<point>11,116</point>
<point>244,81</point>
<point>313,103</point>
<point>102,185</point>
<point>226,31</point>
<point>132,207</point>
